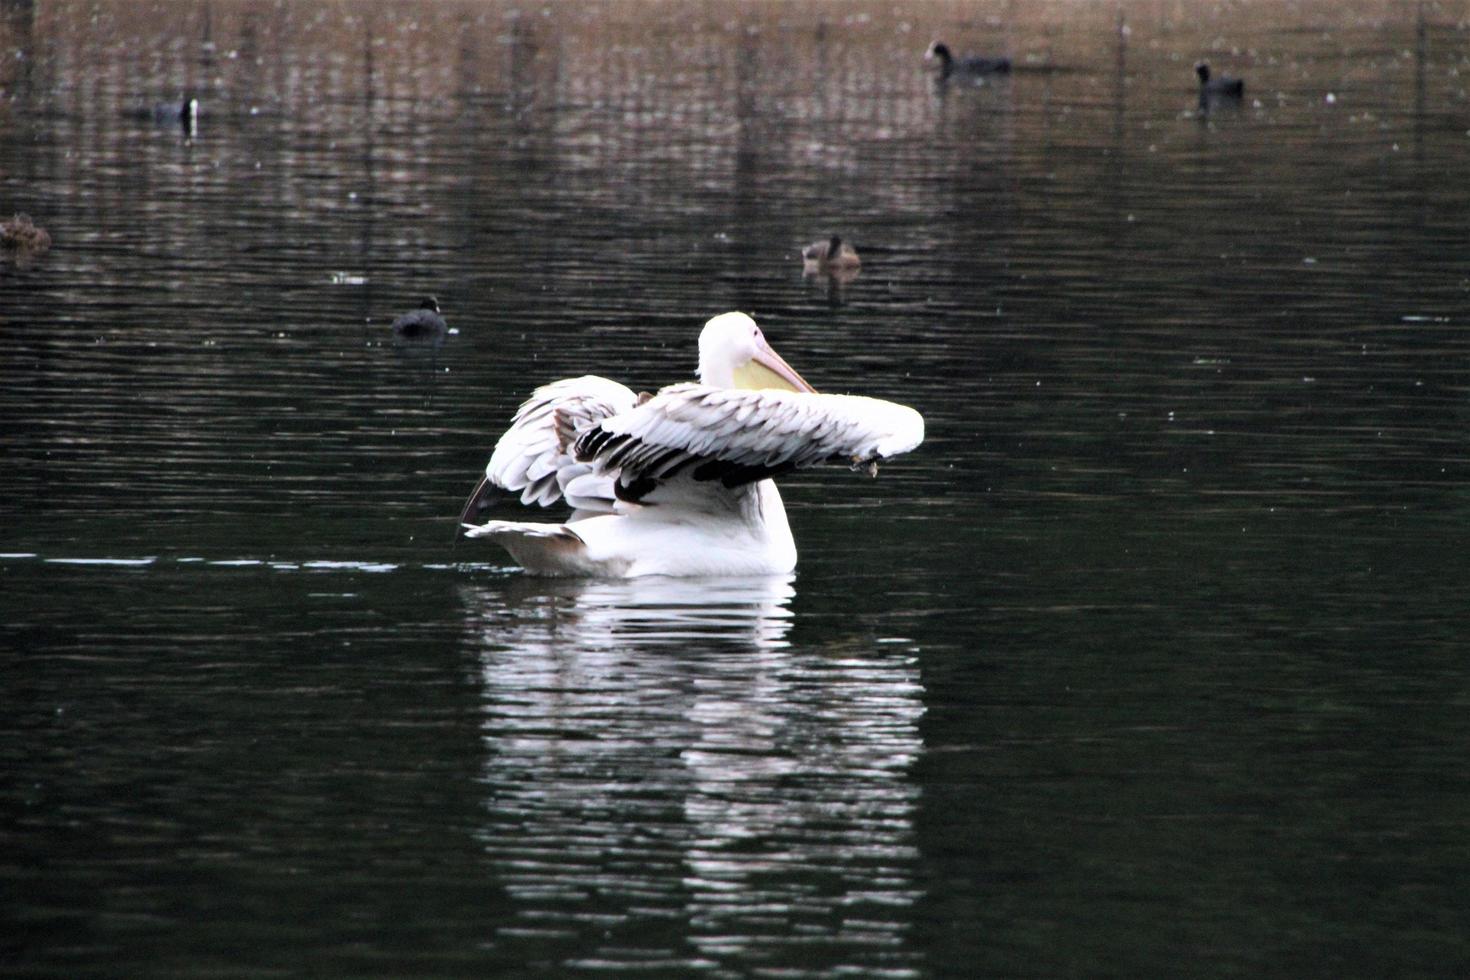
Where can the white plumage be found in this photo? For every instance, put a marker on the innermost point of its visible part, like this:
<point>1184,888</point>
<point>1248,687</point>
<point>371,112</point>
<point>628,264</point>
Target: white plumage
<point>534,456</point>
<point>679,483</point>
<point>766,429</point>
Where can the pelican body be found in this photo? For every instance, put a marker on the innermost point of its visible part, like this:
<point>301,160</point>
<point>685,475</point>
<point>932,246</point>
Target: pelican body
<point>681,482</point>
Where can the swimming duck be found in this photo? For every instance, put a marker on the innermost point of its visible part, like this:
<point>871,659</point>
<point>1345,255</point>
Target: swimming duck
<point>832,254</point>
<point>1216,87</point>
<point>968,65</point>
<point>183,113</point>
<point>422,322</point>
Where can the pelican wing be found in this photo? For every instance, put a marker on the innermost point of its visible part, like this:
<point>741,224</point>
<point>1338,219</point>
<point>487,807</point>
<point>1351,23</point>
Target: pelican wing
<point>534,457</point>
<point>739,436</point>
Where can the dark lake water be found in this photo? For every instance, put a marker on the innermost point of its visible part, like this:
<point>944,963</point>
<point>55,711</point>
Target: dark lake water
<point>1150,661</point>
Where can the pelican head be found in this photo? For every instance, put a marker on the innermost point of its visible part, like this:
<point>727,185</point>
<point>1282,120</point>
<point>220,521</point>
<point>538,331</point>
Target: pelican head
<point>733,353</point>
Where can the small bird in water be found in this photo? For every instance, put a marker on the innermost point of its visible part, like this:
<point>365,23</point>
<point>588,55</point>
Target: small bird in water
<point>1223,87</point>
<point>973,65</point>
<point>183,113</point>
<point>830,255</point>
<point>21,234</point>
<point>422,322</point>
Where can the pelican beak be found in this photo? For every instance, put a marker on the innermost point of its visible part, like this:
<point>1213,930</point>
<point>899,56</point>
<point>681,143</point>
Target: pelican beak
<point>767,369</point>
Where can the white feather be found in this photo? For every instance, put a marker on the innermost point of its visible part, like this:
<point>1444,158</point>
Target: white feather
<point>536,448</point>
<point>766,427</point>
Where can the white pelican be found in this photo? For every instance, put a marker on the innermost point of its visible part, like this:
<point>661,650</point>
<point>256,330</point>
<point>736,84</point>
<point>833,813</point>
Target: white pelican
<point>679,483</point>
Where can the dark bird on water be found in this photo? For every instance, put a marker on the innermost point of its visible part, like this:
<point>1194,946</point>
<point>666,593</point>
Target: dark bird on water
<point>1222,87</point>
<point>183,113</point>
<point>422,322</point>
<point>829,254</point>
<point>973,65</point>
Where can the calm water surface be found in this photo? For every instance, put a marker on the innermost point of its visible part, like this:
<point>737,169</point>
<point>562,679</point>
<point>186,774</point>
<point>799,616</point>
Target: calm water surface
<point>1150,661</point>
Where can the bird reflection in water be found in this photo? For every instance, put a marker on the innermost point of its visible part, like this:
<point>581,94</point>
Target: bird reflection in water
<point>673,781</point>
<point>657,611</point>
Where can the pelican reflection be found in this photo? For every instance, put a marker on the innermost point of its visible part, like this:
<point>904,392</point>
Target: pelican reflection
<point>671,779</point>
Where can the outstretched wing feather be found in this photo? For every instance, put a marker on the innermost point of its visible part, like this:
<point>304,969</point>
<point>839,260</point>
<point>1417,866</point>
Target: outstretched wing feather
<point>534,457</point>
<point>739,436</point>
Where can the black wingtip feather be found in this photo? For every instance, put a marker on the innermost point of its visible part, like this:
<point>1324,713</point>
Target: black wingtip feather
<point>593,441</point>
<point>480,500</point>
<point>634,491</point>
<point>732,475</point>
